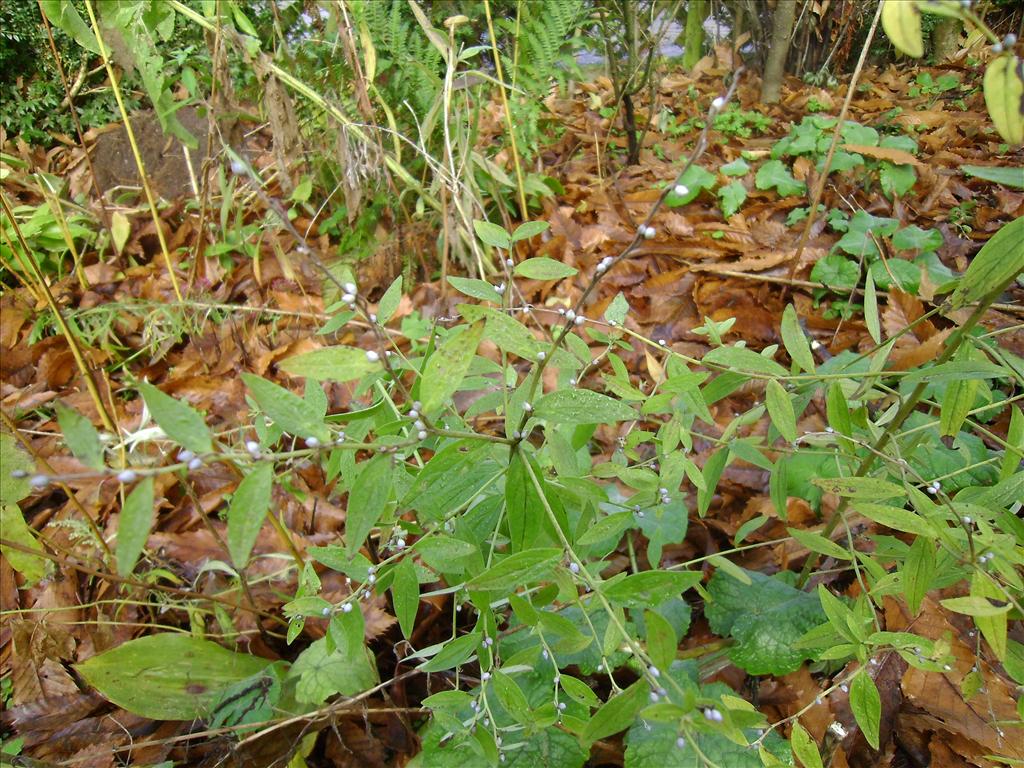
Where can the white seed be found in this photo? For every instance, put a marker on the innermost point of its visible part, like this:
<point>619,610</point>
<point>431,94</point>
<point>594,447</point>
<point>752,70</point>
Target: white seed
<point>572,382</point>
<point>312,442</point>
<point>570,315</point>
<point>1010,40</point>
<point>662,343</point>
<point>967,519</point>
<point>655,672</point>
<point>350,287</point>
<point>340,439</point>
<point>18,474</point>
<point>499,288</point>
<point>682,190</point>
<point>400,544</point>
<point>580,320</point>
<point>422,434</point>
<point>509,263</point>
<point>718,103</point>
<point>414,414</point>
<point>126,476</point>
<point>348,298</point>
<point>373,317</point>
<point>997,48</point>
<point>829,430</point>
<point>527,408</point>
<point>649,232</point>
<point>574,567</point>
<point>39,481</point>
<point>417,405</point>
<point>419,424</point>
<point>844,688</point>
<point>326,612</point>
<point>485,676</point>
<point>237,167</point>
<point>346,608</point>
<point>541,355</point>
<point>654,696</point>
<point>195,464</point>
<point>250,445</point>
<point>561,311</point>
<point>372,356</point>
<point>680,743</point>
<point>185,455</point>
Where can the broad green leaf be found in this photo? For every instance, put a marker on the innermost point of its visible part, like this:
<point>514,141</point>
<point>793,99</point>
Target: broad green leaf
<point>453,653</point>
<point>179,421</point>
<point>446,553</point>
<point>247,510</point>
<point>1004,94</point>
<point>366,501</point>
<point>617,309</point>
<point>133,525</point>
<point>447,367</point>
<point>1008,177</point>
<point>867,706</point>
<point>331,364</point>
<point>13,459</point>
<point>991,619</point>
<point>616,714</point>
<point>478,289</point>
<point>867,488</point>
<point>774,174</point>
<point>975,605</point>
<point>529,229</point>
<point>523,507</point>
<point>1014,453</point>
<point>818,543</point>
<point>650,587</point>
<point>321,674</point>
<point>168,676</point>
<point>81,436</point>
<point>65,16</point>
<point>606,528</point>
<point>744,360</point>
<point>914,238</point>
<point>695,179</point>
<point>998,262</point>
<point>780,409</point>
<point>661,640</point>
<point>582,406</point>
<point>731,197</point>
<point>289,411</point>
<point>454,475</point>
<point>251,700</point>
<point>764,618</point>
<point>957,402</point>
<point>737,167</point>
<point>512,697</point>
<point>918,572</point>
<point>795,340</point>
<point>901,20</point>
<point>492,234</point>
<point>388,304</point>
<point>17,531</point>
<point>544,268</point>
<point>405,595</point>
<point>507,333</point>
<point>520,568</point>
<point>897,518</point>
<point>804,748</point>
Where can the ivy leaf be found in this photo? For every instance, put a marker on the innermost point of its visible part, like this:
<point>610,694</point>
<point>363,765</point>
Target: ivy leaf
<point>774,174</point>
<point>896,180</point>
<point>447,367</point>
<point>582,406</point>
<point>837,272</point>
<point>330,364</point>
<point>544,268</point>
<point>246,512</point>
<point>765,619</point>
<point>179,421</point>
<point>731,197</point>
<point>320,674</point>
<point>737,167</point>
<point>81,436</point>
<point>914,238</point>
<point>695,179</point>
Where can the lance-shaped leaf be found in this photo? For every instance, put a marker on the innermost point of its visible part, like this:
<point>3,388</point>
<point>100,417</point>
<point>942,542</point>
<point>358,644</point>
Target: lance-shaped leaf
<point>179,421</point>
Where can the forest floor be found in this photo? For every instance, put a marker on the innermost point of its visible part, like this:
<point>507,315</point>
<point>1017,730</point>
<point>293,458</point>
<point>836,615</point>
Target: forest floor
<point>249,315</point>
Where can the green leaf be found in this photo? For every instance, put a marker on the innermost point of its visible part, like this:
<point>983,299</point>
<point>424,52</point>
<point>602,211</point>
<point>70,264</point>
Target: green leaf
<point>81,436</point>
<point>871,317</point>
<point>896,180</point>
<point>617,309</point>
<point>957,402</point>
<point>1004,93</point>
<point>289,411</point>
<point>611,526</point>
<point>529,229</point>
<point>837,272</point>
<point>661,640</point>
<point>167,676</point>
<point>867,488</point>
<point>795,340</point>
<point>744,360</point>
<point>774,174</point>
<point>13,459</point>
<point>453,653</point>
<point>765,619</point>
<point>478,289</point>
<point>492,234</point>
<point>405,595</point>
<point>780,409</point>
<point>366,501</point>
<point>731,197</point>
<point>179,421</point>
<point>992,268</point>
<point>804,748</point>
<point>246,512</point>
<point>1014,453</point>
<point>512,697</point>
<point>818,543</point>
<point>330,364</point>
<point>956,370</point>
<point>916,239</point>
<point>251,700</point>
<point>737,167</point>
<point>65,17</point>
<point>582,406</point>
<point>616,714</point>
<point>447,367</point>
<point>901,21</point>
<point>695,180</point>
<point>454,475</point>
<point>446,553</point>
<point>17,531</point>
<point>133,526</point>
<point>388,304</point>
<point>1008,177</point>
<point>523,506</point>
<point>867,706</point>
<point>975,605</point>
<point>650,587</point>
<point>544,268</point>
<point>918,572</point>
<point>520,568</point>
<point>321,674</point>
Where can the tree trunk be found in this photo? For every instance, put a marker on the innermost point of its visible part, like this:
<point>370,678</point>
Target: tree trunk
<point>945,38</point>
<point>629,126</point>
<point>693,37</point>
<point>782,29</point>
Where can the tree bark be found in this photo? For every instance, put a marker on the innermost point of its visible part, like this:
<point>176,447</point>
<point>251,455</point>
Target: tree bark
<point>693,37</point>
<point>945,38</point>
<point>782,29</point>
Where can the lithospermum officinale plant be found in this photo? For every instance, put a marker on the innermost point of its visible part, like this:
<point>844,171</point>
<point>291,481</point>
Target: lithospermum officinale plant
<point>552,645</point>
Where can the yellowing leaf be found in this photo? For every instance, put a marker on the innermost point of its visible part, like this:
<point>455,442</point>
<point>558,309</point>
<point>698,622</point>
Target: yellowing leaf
<point>901,20</point>
<point>1004,91</point>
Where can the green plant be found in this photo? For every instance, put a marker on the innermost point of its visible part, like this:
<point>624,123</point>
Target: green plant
<point>740,123</point>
